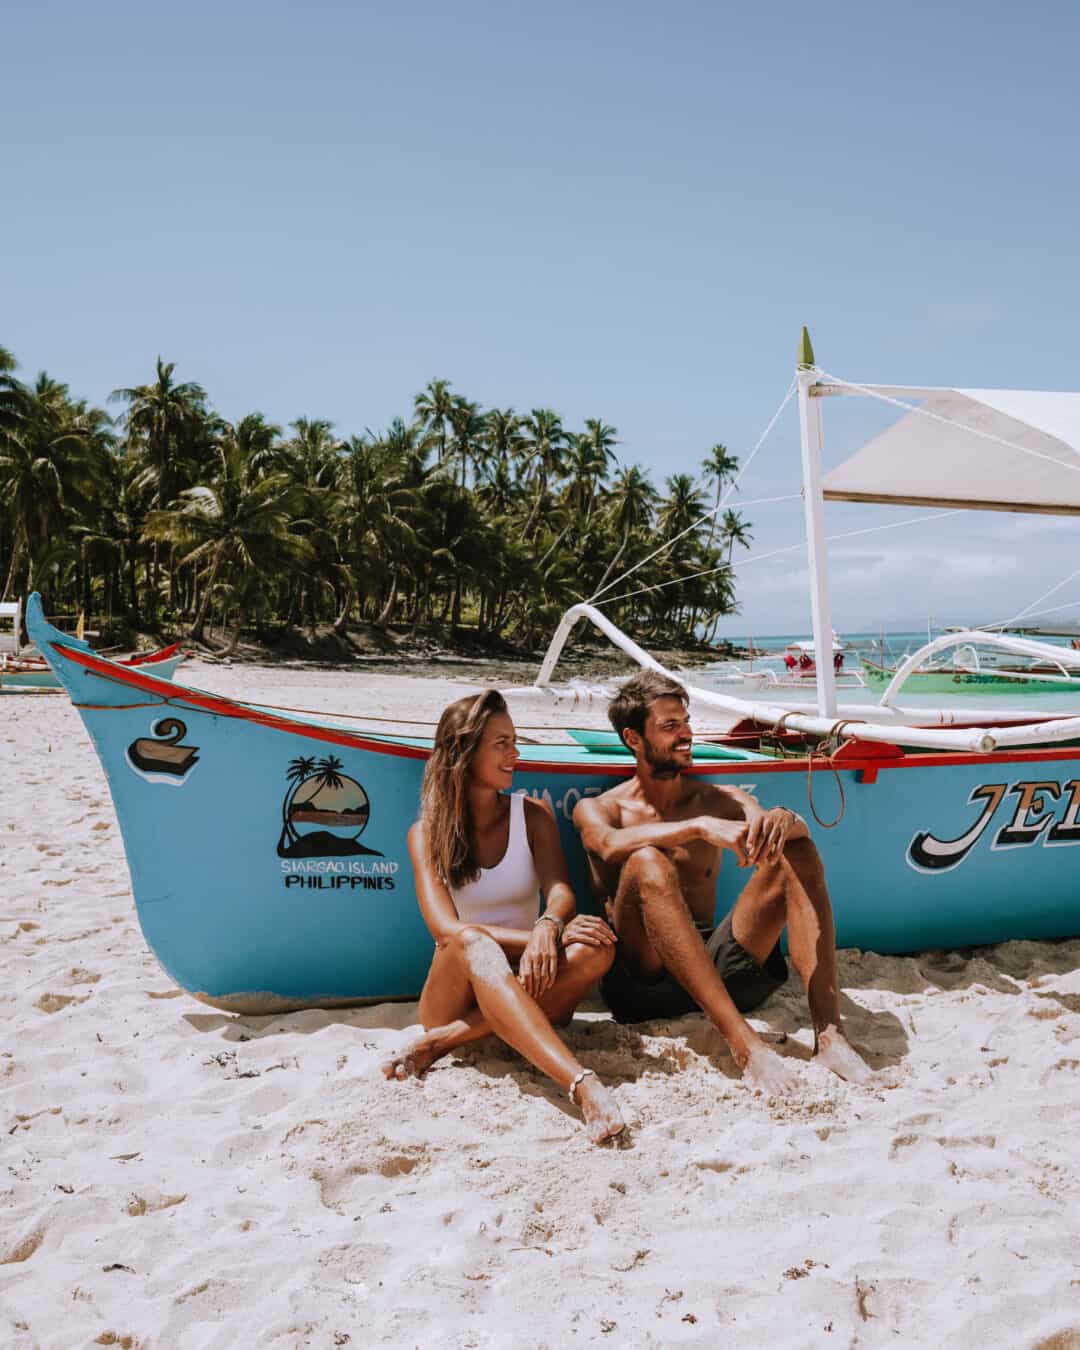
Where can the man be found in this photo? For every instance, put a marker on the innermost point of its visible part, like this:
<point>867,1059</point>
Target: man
<point>654,845</point>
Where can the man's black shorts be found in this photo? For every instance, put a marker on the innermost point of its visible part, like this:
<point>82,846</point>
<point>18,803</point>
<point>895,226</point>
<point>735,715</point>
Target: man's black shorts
<point>632,998</point>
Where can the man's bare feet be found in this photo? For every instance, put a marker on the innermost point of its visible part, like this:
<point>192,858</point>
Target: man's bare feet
<point>418,1056</point>
<point>836,1053</point>
<point>601,1111</point>
<point>765,1071</point>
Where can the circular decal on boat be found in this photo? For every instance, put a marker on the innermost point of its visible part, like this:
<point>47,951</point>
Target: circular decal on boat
<point>324,812</point>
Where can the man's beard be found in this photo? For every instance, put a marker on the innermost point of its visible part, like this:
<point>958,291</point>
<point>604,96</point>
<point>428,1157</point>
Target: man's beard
<point>662,766</point>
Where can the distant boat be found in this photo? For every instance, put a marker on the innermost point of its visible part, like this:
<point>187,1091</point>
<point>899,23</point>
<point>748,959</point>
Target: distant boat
<point>23,667</point>
<point>965,680</point>
<point>32,672</point>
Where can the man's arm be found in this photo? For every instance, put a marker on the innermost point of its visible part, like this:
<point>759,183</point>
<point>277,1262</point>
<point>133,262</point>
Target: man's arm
<point>767,831</point>
<point>613,844</point>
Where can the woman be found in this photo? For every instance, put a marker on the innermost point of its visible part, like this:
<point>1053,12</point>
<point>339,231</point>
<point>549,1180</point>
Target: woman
<point>481,859</point>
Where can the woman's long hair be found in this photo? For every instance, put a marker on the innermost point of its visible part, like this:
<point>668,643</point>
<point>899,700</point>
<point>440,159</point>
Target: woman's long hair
<point>444,796</point>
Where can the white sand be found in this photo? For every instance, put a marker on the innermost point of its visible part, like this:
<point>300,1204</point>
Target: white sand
<point>171,1176</point>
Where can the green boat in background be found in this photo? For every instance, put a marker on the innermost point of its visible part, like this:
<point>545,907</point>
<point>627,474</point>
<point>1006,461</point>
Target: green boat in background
<point>1005,681</point>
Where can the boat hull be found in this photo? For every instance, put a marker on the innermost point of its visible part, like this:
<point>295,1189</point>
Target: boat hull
<point>269,864</point>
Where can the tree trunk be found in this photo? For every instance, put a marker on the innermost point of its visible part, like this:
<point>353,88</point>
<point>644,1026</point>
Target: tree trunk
<point>9,585</point>
<point>455,618</point>
<point>391,600</point>
<point>541,488</point>
<point>196,630</point>
<point>342,620</point>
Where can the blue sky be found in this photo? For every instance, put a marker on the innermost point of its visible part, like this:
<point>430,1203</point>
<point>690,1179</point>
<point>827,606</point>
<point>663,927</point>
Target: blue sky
<point>619,210</point>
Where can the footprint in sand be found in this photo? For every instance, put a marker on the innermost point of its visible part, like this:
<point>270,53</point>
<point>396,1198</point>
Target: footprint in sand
<point>138,1205</point>
<point>78,975</point>
<point>52,1003</point>
<point>335,1185</point>
<point>22,1249</point>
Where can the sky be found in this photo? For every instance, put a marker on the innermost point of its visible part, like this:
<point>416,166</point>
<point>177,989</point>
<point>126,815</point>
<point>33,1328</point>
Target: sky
<point>619,210</point>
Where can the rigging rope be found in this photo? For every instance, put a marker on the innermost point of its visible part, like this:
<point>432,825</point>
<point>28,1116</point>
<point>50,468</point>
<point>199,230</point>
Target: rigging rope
<point>789,548</point>
<point>1007,623</point>
<point>708,514</point>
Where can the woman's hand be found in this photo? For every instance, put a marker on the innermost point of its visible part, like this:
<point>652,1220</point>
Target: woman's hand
<point>768,834</point>
<point>588,930</point>
<point>540,960</point>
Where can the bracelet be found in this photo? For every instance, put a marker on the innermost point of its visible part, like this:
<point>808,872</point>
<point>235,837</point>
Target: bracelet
<point>552,918</point>
<point>571,1091</point>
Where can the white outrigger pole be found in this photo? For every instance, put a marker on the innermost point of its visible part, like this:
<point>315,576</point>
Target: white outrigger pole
<point>810,439</point>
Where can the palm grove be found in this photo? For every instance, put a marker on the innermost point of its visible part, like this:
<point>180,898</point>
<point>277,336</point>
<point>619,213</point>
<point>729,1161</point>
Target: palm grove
<point>165,514</point>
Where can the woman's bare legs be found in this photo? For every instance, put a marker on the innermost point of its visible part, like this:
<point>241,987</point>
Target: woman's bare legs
<point>451,1017</point>
<point>471,992</point>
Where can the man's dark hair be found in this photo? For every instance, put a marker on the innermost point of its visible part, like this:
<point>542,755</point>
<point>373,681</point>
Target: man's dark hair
<point>630,706</point>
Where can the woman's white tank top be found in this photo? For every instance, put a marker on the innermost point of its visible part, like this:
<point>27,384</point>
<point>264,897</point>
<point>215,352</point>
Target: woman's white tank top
<point>508,894</point>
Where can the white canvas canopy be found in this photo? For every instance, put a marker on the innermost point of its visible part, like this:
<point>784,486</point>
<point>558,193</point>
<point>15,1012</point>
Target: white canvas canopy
<point>976,459</point>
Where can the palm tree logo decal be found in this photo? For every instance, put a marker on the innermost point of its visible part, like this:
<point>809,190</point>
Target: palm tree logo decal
<point>324,811</point>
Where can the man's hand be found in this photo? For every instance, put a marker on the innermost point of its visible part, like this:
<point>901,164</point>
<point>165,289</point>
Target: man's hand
<point>540,960</point>
<point>729,834</point>
<point>767,834</point>
<point>589,930</point>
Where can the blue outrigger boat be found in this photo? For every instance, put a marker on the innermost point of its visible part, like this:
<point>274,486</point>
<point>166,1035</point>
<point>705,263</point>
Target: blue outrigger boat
<point>268,852</point>
<point>268,856</point>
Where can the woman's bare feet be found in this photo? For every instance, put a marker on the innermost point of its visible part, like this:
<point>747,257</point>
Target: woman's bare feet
<point>836,1052</point>
<point>601,1111</point>
<point>417,1057</point>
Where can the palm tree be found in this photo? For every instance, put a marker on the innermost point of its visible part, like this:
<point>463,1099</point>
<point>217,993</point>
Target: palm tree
<point>299,769</point>
<point>312,454</point>
<point>372,511</point>
<point>468,427</point>
<point>328,768</point>
<point>161,417</point>
<point>630,505</point>
<point>433,408</point>
<point>735,530</point>
<point>682,508</point>
<point>236,519</point>
<point>259,440</point>
<point>51,460</point>
<point>503,436</point>
<point>591,456</point>
<point>545,448</point>
<point>721,466</point>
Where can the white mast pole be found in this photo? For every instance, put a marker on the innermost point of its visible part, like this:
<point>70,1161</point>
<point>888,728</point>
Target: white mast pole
<point>814,506</point>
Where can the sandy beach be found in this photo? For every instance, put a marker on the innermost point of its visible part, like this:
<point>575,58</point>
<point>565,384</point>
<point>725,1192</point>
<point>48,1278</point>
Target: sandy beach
<point>173,1176</point>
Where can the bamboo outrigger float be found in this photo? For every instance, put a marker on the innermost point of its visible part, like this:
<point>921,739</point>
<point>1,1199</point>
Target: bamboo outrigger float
<point>268,854</point>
